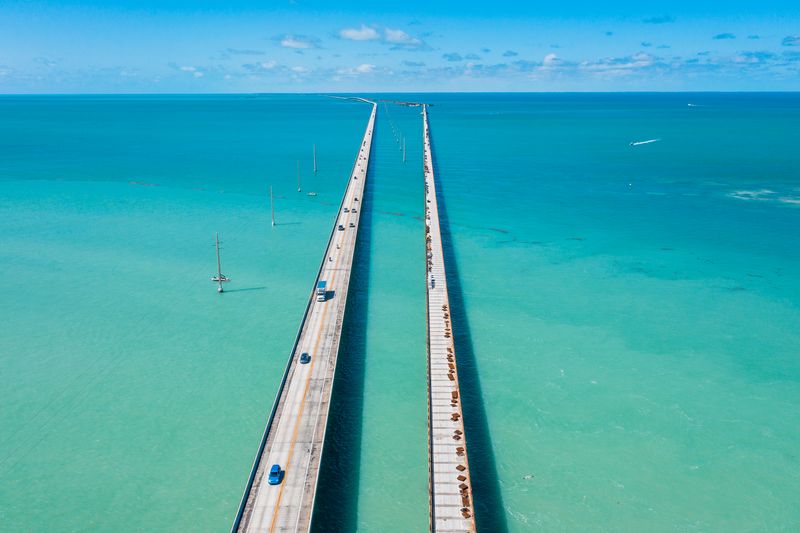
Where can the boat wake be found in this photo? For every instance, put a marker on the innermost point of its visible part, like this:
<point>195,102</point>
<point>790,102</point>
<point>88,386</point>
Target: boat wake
<point>639,143</point>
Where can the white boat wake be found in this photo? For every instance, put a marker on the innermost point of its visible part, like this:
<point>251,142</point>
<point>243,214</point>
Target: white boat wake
<point>639,143</point>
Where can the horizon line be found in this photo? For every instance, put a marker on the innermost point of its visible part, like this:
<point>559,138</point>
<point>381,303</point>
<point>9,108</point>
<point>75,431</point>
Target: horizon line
<point>324,93</point>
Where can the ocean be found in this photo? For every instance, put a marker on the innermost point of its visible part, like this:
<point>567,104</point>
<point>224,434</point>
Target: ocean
<point>625,316</point>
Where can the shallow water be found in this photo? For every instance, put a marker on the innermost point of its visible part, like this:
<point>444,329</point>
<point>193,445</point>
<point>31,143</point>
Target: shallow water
<point>629,325</point>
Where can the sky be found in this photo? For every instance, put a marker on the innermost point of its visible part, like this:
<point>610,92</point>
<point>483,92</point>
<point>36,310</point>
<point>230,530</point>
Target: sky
<point>200,46</point>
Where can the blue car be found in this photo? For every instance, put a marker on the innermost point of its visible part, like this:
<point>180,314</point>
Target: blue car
<point>304,358</point>
<point>275,475</point>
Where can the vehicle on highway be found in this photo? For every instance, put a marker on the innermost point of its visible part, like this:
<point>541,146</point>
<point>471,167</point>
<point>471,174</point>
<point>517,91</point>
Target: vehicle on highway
<point>340,228</point>
<point>275,475</point>
<point>322,290</point>
<point>304,358</point>
<point>352,225</point>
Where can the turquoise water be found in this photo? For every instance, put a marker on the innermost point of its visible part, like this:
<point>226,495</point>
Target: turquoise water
<point>629,326</point>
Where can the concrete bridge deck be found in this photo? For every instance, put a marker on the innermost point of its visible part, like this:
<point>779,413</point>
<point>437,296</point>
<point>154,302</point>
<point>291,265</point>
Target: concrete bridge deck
<point>295,431</point>
<point>451,505</point>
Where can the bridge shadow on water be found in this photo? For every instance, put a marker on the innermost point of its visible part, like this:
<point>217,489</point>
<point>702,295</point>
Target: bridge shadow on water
<point>490,512</point>
<point>336,504</point>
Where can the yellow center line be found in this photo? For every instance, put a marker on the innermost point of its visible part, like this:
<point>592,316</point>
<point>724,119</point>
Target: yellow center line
<point>297,422</point>
<point>307,385</point>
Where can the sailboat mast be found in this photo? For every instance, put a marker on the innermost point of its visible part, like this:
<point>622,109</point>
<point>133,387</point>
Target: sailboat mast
<point>271,205</point>
<point>220,277</point>
<point>315,159</point>
<point>219,263</point>
<point>298,176</point>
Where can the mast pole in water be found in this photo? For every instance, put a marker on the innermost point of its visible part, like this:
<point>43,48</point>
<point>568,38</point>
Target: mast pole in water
<point>271,205</point>
<point>298,176</point>
<point>219,265</point>
<point>315,159</point>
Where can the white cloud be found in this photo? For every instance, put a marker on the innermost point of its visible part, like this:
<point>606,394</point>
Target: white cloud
<point>364,68</point>
<point>299,70</point>
<point>400,37</point>
<point>262,66</point>
<point>619,65</point>
<point>550,60</point>
<point>363,34</point>
<point>397,39</point>
<point>197,72</point>
<point>550,63</point>
<point>297,42</point>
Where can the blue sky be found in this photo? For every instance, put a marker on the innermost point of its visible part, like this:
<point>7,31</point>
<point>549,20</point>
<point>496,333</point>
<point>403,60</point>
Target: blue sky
<point>405,45</point>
